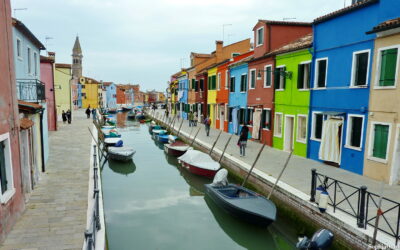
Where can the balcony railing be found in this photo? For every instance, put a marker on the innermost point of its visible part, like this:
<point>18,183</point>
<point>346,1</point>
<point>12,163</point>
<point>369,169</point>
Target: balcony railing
<point>30,90</point>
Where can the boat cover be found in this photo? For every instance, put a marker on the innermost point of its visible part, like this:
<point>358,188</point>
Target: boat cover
<point>199,159</point>
<point>159,131</point>
<point>112,140</point>
<point>123,151</point>
<point>221,178</point>
<point>179,146</point>
<point>171,138</point>
<point>107,127</point>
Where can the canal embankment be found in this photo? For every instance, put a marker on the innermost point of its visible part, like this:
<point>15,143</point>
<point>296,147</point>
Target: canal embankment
<point>350,220</point>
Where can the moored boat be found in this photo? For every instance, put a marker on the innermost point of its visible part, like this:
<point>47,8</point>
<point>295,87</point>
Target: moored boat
<point>111,141</point>
<point>126,108</point>
<point>120,153</point>
<point>165,138</point>
<point>176,148</point>
<point>199,163</point>
<point>111,110</point>
<point>111,133</point>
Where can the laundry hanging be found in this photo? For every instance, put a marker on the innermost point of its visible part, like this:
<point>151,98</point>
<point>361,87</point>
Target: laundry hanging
<point>256,124</point>
<point>235,122</point>
<point>329,150</point>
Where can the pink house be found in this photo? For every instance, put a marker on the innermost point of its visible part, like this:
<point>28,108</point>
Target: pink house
<point>47,76</point>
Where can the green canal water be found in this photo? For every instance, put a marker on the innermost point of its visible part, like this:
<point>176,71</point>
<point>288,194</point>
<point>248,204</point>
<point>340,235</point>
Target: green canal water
<point>151,203</point>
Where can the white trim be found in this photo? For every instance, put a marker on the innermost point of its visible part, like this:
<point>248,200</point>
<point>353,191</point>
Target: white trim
<point>352,78</point>
<point>265,76</point>
<point>251,78</point>
<point>257,37</point>
<point>312,137</point>
<point>275,127</point>
<point>247,78</point>
<point>297,128</point>
<point>348,132</point>
<point>378,67</point>
<point>227,78</point>
<point>395,168</point>
<point>20,56</point>
<point>316,73</point>
<point>371,142</point>
<point>293,132</point>
<point>219,81</point>
<point>280,89</point>
<point>309,76</point>
<point>29,59</point>
<point>4,198</point>
<point>269,109</point>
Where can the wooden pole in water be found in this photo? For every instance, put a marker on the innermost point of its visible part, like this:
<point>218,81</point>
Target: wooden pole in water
<point>194,138</point>
<point>378,214</point>
<point>279,177</point>
<point>180,126</point>
<point>220,132</point>
<point>253,165</point>
<point>97,143</point>
<point>170,125</point>
<point>226,145</point>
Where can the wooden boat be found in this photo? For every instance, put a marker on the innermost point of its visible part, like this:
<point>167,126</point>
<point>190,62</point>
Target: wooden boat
<point>111,133</point>
<point>112,111</point>
<point>131,116</point>
<point>165,138</point>
<point>177,148</point>
<point>120,153</point>
<point>111,141</point>
<point>199,163</point>
<point>241,202</point>
<point>108,127</point>
<point>126,108</point>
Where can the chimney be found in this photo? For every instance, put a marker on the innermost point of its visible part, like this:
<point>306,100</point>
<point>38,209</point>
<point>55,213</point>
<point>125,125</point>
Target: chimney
<point>52,55</point>
<point>218,50</point>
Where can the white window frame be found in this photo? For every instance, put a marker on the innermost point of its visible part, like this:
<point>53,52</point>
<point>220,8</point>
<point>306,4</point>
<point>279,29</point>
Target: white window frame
<point>234,89</point>
<point>227,79</point>
<point>348,131</point>
<point>19,50</point>
<point>316,73</point>
<point>269,121</point>
<point>29,59</point>
<point>275,125</point>
<point>371,142</point>
<point>251,78</point>
<point>378,67</point>
<point>4,198</point>
<point>257,37</point>
<point>279,67</point>
<point>355,53</point>
<point>298,128</point>
<point>314,113</point>
<point>306,62</point>
<point>35,64</point>
<point>247,78</point>
<point>219,81</point>
<point>265,76</point>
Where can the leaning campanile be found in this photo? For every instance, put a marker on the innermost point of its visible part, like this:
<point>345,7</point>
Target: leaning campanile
<point>77,59</point>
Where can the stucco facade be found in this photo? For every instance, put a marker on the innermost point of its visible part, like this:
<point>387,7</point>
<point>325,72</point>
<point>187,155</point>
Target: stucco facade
<point>212,95</point>
<point>47,77</point>
<point>91,92</point>
<point>62,77</point>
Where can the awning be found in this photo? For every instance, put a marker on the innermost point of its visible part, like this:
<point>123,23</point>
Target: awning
<point>25,123</point>
<point>30,107</point>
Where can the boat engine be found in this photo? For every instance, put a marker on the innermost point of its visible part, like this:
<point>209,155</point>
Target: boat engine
<point>322,239</point>
<point>221,178</point>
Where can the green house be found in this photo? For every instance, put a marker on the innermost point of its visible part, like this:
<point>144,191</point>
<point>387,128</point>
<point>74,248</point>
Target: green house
<point>292,95</point>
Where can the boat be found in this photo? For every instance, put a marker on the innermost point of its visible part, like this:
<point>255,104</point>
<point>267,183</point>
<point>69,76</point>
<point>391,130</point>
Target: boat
<point>155,127</point>
<point>241,202</point>
<point>111,110</point>
<point>165,138</point>
<point>126,108</point>
<point>159,131</point>
<point>121,153</point>
<point>108,127</point>
<point>199,163</point>
<point>111,122</point>
<point>176,148</point>
<point>111,133</point>
<point>111,141</point>
<point>131,116</point>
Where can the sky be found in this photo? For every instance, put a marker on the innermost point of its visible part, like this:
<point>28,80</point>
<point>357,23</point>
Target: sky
<point>146,41</point>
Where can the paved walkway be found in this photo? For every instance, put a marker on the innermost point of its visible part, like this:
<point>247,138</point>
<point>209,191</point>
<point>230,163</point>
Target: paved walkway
<point>55,216</point>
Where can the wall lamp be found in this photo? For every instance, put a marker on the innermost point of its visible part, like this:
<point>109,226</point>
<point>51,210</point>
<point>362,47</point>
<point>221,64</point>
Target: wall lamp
<point>287,74</point>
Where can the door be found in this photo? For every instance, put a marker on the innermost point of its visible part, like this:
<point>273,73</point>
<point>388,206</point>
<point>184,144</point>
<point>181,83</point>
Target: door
<point>289,125</point>
<point>222,116</point>
<point>395,173</point>
<point>256,124</point>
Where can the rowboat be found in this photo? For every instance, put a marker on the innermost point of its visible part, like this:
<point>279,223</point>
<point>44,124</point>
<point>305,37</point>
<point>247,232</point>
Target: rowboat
<point>199,163</point>
<point>165,138</point>
<point>107,127</point>
<point>110,133</point>
<point>177,148</point>
<point>111,141</point>
<point>120,153</point>
<point>131,116</point>
<point>240,201</point>
<point>126,108</point>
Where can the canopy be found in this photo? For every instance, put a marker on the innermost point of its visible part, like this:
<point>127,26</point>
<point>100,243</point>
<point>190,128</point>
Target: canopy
<point>199,159</point>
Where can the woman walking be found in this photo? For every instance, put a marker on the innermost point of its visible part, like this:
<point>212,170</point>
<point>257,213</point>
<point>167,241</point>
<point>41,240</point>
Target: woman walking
<point>243,140</point>
<point>64,117</point>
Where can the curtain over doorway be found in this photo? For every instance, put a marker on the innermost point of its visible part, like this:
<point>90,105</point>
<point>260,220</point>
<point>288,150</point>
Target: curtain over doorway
<point>256,124</point>
<point>329,150</point>
<point>235,121</point>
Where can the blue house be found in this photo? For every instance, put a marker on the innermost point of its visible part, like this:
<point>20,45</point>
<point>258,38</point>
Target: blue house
<point>237,106</point>
<point>79,95</point>
<point>183,89</point>
<point>111,94</point>
<point>341,72</point>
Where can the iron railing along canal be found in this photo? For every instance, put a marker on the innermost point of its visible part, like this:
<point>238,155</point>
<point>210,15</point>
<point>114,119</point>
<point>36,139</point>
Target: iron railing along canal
<point>359,203</point>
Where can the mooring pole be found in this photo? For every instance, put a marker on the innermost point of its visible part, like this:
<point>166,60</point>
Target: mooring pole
<point>253,165</point>
<point>180,126</point>
<point>194,138</point>
<point>171,127</point>
<point>283,169</point>
<point>96,142</point>
<point>226,145</point>
<point>378,214</point>
<point>220,132</point>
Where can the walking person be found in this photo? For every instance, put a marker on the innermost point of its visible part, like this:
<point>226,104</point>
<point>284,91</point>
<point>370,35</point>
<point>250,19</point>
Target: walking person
<point>207,123</point>
<point>191,119</point>
<point>243,140</point>
<point>64,117</point>
<point>69,116</point>
<point>88,112</point>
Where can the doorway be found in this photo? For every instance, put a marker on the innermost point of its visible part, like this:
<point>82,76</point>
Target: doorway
<point>395,173</point>
<point>289,125</point>
<point>222,116</point>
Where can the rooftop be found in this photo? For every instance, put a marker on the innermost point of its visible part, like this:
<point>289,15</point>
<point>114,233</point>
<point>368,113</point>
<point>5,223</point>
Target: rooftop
<point>63,65</point>
<point>386,25</point>
<point>24,30</point>
<point>301,43</point>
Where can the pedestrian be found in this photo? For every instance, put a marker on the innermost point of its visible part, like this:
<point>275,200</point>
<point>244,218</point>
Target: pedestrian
<point>94,113</point>
<point>69,116</point>
<point>207,123</point>
<point>88,112</point>
<point>191,119</point>
<point>195,119</point>
<point>64,117</point>
<point>166,113</point>
<point>244,133</point>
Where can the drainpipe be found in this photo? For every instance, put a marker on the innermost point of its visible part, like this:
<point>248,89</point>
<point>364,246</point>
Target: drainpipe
<point>41,140</point>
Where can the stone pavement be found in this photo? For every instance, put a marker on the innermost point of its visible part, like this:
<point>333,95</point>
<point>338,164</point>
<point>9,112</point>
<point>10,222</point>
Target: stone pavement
<point>55,215</point>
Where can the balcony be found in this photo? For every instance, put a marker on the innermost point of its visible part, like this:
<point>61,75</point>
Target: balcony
<point>30,90</point>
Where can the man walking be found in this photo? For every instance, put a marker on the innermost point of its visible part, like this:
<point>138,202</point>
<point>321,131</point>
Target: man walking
<point>207,123</point>
<point>191,123</point>
<point>68,114</point>
<point>243,140</point>
<point>88,112</point>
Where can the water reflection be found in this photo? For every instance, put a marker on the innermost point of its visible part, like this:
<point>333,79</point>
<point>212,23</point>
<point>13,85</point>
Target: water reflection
<point>124,168</point>
<point>121,119</point>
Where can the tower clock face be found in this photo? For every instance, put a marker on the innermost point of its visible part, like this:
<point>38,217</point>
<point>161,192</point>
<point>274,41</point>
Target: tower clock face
<point>82,80</point>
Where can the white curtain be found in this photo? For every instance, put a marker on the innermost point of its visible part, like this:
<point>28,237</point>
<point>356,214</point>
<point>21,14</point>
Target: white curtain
<point>235,121</point>
<point>180,94</point>
<point>329,150</point>
<point>256,124</point>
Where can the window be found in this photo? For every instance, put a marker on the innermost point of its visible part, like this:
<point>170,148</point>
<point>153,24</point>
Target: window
<point>360,68</point>
<point>249,117</point>
<point>320,73</point>
<point>196,85</point>
<point>388,67</point>
<point>219,81</point>
<point>302,128</point>
<point>19,48</point>
<point>235,54</point>
<point>214,82</point>
<point>193,84</point>
<point>201,84</point>
<point>232,87</point>
<point>35,63</point>
<point>230,114</point>
<point>380,140</point>
<point>354,131</point>
<point>266,119</point>
<point>318,120</point>
<point>242,116</point>
<point>303,77</point>
<point>280,78</point>
<point>252,79</point>
<point>278,125</point>
<point>267,76</point>
<point>260,36</point>
<point>243,83</point>
<point>6,170</point>
<point>226,79</point>
<point>29,61</point>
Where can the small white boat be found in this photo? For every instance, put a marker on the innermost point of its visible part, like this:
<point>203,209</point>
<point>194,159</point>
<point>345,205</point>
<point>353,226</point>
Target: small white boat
<point>111,141</point>
<point>107,127</point>
<point>121,153</point>
<point>159,131</point>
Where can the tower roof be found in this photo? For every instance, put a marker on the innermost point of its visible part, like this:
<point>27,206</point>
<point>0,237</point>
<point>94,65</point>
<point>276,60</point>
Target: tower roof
<point>77,47</point>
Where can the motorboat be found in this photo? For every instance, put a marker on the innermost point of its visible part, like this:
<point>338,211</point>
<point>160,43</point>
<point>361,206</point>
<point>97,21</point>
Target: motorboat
<point>199,163</point>
<point>111,141</point>
<point>165,138</point>
<point>120,153</point>
<point>176,148</point>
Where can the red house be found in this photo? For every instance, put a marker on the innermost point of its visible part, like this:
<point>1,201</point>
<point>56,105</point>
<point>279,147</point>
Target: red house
<point>47,77</point>
<point>268,36</point>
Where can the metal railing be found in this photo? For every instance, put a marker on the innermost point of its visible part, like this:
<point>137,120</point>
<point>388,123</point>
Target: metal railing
<point>95,225</point>
<point>30,90</point>
<point>359,203</point>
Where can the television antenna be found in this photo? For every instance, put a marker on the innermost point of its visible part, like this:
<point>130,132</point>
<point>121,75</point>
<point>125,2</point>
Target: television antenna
<point>17,9</point>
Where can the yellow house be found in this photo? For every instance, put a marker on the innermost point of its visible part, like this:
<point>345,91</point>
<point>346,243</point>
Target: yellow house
<point>62,88</point>
<point>91,92</point>
<point>212,94</point>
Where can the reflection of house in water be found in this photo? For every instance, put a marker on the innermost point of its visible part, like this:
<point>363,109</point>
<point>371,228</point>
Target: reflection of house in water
<point>121,119</point>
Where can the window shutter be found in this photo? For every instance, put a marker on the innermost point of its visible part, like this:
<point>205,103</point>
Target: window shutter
<point>300,76</point>
<point>214,82</point>
<point>276,79</point>
<point>388,67</point>
<point>268,78</point>
<point>284,77</point>
<point>361,69</point>
<point>245,83</point>
<point>309,75</point>
<point>380,141</point>
<point>3,175</point>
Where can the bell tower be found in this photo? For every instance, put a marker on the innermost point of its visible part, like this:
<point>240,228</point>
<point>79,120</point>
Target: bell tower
<point>77,59</point>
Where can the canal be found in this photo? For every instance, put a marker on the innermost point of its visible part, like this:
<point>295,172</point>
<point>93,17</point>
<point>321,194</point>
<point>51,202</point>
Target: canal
<point>151,203</point>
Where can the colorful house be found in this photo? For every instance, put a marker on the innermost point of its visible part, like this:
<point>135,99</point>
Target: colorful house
<point>268,36</point>
<point>47,77</point>
<point>292,96</point>
<point>341,76</point>
<point>62,78</point>
<point>183,84</point>
<point>238,113</point>
<point>111,94</point>
<point>382,145</point>
<point>91,92</point>
<point>212,94</point>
